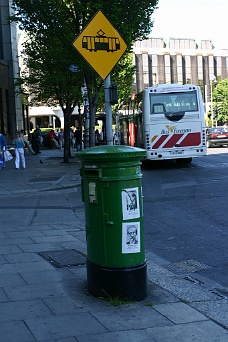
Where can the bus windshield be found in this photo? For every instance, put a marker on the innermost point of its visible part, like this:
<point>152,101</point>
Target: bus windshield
<point>173,102</point>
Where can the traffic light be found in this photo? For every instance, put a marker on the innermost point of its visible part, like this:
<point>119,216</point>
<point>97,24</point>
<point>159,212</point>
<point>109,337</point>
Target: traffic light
<point>216,112</point>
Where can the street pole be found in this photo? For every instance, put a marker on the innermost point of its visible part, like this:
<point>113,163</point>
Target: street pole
<point>206,105</point>
<point>75,68</point>
<point>86,114</point>
<point>216,104</point>
<point>212,113</point>
<point>108,110</point>
<point>212,78</point>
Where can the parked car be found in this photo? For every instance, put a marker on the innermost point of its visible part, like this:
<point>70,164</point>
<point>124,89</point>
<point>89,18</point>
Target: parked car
<point>217,136</point>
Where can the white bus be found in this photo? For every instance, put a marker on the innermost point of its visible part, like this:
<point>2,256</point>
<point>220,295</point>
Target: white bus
<point>170,124</point>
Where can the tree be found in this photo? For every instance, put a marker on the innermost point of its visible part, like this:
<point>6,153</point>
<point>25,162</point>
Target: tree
<point>220,98</point>
<point>51,27</point>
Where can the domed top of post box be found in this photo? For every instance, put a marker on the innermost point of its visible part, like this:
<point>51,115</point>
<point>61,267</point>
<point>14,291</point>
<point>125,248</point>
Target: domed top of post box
<point>109,152</point>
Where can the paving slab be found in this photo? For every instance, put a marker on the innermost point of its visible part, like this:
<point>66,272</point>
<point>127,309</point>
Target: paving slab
<point>206,331</point>
<point>123,318</point>
<point>11,311</point>
<point>15,331</point>
<point>179,313</point>
<point>65,326</point>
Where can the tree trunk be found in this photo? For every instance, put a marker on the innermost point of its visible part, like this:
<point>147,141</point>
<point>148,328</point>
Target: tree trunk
<point>87,123</point>
<point>92,127</point>
<point>93,109</point>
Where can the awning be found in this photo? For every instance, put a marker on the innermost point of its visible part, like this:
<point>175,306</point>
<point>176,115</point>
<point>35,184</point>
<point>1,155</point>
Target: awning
<point>41,111</point>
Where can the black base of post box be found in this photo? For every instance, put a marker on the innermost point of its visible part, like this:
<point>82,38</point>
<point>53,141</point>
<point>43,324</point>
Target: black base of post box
<point>125,283</point>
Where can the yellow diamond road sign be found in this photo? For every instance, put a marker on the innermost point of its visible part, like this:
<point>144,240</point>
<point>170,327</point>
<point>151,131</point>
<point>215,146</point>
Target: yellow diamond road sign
<point>100,44</point>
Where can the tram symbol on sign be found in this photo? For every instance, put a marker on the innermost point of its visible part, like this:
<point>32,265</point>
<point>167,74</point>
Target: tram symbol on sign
<point>101,42</point>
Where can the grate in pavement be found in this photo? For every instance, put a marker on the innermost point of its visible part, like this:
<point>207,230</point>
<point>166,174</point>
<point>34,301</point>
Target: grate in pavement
<point>64,258</point>
<point>222,293</point>
<point>190,265</point>
<point>194,280</point>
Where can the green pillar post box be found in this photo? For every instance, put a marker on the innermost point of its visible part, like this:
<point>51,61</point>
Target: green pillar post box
<point>112,193</point>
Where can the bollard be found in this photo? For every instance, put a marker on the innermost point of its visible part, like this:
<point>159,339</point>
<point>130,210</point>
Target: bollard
<point>112,194</point>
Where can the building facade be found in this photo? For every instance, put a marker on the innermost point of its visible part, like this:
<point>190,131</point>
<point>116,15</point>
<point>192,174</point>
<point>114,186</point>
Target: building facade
<point>11,116</point>
<point>179,61</point>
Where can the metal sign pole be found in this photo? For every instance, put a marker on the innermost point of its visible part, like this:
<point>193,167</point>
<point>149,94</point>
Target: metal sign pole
<point>108,110</point>
<point>86,114</point>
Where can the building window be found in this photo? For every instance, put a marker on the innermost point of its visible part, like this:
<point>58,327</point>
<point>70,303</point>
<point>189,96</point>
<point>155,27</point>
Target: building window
<point>145,70</point>
<point>179,69</point>
<point>167,69</point>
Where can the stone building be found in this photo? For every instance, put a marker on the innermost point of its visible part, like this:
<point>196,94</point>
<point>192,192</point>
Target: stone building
<point>179,61</point>
<point>11,116</point>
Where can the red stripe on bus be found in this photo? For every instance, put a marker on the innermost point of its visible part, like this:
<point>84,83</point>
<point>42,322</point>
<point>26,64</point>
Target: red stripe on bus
<point>192,139</point>
<point>173,140</point>
<point>160,141</point>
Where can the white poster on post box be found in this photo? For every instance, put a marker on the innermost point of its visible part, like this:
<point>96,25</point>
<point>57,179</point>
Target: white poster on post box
<point>130,237</point>
<point>130,203</point>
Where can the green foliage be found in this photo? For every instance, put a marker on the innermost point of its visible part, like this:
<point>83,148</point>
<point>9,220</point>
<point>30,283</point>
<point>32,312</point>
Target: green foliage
<point>51,27</point>
<point>116,300</point>
<point>220,99</point>
<point>48,53</point>
<point>123,76</point>
<point>150,304</point>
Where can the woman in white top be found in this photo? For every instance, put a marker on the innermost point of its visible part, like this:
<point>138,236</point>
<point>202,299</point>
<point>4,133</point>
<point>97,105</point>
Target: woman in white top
<point>19,151</point>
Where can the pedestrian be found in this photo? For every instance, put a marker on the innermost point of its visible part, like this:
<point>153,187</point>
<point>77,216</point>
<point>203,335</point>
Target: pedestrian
<point>72,140</point>
<point>35,142</point>
<point>19,151</point>
<point>56,132</point>
<point>114,138</point>
<point>2,164</point>
<point>61,138</point>
<point>97,137</point>
<point>52,140</point>
<point>78,139</point>
<point>2,148</point>
<point>101,135</point>
<point>39,135</point>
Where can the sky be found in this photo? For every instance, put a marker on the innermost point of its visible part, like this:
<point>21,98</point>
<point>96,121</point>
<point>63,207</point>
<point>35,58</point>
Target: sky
<point>196,19</point>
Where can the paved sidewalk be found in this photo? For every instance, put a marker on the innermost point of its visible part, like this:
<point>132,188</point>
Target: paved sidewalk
<point>43,295</point>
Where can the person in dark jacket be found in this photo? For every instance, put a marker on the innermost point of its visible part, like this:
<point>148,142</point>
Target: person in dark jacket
<point>39,135</point>
<point>35,142</point>
<point>78,139</point>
